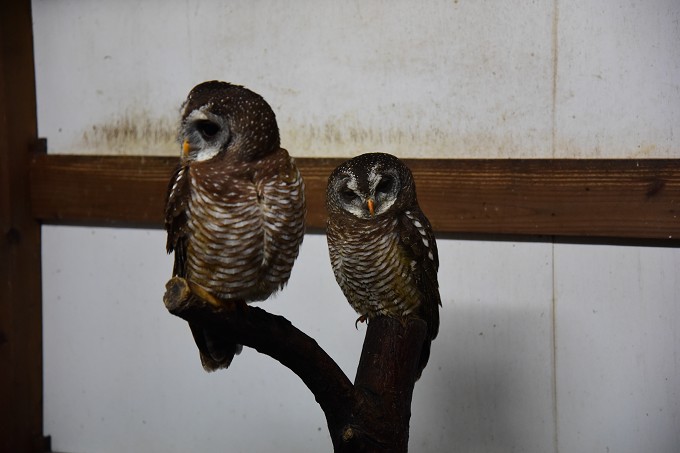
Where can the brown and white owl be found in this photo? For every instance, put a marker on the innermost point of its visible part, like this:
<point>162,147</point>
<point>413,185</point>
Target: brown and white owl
<point>381,245</point>
<point>235,205</point>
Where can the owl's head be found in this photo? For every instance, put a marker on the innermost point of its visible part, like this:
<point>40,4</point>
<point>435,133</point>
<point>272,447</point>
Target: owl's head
<point>370,185</point>
<point>221,119</point>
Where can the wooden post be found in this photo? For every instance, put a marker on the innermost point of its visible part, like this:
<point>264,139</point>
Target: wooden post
<point>21,418</point>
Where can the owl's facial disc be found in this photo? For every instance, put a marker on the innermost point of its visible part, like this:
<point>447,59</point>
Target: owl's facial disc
<point>204,135</point>
<point>369,198</point>
<point>384,190</point>
<point>349,196</point>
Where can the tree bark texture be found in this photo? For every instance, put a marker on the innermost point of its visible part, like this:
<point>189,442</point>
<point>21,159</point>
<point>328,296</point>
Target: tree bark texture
<point>371,415</point>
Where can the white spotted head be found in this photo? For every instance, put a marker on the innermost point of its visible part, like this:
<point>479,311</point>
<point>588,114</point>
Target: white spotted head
<point>220,118</point>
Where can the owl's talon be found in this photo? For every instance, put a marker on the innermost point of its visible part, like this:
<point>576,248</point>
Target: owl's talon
<point>361,318</point>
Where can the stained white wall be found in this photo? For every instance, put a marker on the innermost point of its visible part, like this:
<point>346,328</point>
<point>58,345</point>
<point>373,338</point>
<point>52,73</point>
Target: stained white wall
<point>543,347</point>
<point>454,78</point>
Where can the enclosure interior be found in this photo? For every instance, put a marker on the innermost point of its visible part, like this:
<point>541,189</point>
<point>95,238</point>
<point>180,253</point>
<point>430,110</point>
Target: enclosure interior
<point>545,345</point>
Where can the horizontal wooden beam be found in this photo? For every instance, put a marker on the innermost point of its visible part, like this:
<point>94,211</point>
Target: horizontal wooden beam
<point>584,198</point>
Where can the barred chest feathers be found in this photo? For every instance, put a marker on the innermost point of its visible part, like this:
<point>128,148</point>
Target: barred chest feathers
<point>231,220</point>
<point>372,271</point>
<point>225,238</point>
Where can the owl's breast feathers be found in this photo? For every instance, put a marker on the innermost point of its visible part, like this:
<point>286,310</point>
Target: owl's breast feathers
<point>377,273</point>
<point>236,227</point>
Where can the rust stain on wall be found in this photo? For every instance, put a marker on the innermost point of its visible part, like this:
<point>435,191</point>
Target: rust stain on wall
<point>645,151</point>
<point>132,133</point>
<point>346,137</point>
<point>142,134</point>
<point>611,148</point>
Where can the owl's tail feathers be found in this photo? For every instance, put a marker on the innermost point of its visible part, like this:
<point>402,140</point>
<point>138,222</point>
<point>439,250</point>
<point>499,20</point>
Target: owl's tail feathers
<point>430,313</point>
<point>424,357</point>
<point>216,348</point>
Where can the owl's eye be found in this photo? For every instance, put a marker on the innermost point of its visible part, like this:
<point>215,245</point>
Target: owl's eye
<point>385,185</point>
<point>207,129</point>
<point>348,195</point>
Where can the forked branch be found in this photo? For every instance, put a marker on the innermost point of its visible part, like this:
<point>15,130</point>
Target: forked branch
<point>373,414</point>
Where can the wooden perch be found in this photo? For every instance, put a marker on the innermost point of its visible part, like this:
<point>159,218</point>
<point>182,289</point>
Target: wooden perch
<point>371,415</point>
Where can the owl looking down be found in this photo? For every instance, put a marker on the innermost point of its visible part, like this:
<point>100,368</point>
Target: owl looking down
<point>235,204</point>
<point>381,245</point>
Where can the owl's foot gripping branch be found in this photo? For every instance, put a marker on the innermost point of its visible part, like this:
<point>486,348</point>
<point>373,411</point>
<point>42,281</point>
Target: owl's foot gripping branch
<point>371,415</point>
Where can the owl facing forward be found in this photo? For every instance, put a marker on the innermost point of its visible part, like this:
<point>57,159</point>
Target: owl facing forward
<point>235,205</point>
<point>381,245</point>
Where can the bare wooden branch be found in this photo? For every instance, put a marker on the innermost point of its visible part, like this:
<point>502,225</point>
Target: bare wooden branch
<point>385,379</point>
<point>269,334</point>
<point>370,416</point>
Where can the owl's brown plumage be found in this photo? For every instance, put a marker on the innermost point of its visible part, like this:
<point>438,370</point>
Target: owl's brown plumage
<point>235,206</point>
<point>381,245</point>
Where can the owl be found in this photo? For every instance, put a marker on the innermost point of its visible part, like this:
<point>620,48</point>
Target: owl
<point>235,206</point>
<point>381,245</point>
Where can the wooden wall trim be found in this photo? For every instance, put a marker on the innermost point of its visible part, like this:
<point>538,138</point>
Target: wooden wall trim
<point>21,416</point>
<point>571,198</point>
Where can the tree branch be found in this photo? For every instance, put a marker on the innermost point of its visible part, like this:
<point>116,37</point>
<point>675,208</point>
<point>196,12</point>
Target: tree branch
<point>269,334</point>
<point>372,415</point>
<point>386,376</point>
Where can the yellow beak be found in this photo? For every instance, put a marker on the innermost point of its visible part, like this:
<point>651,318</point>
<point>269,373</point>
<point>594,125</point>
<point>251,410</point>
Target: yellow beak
<point>186,148</point>
<point>371,206</point>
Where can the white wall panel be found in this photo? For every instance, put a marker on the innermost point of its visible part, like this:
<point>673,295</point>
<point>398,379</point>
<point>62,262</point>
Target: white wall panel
<point>460,78</point>
<point>122,374</point>
<point>463,79</point>
<point>618,80</point>
<point>618,370</point>
<point>489,387</point>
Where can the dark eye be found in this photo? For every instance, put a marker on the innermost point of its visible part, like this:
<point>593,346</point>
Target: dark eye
<point>385,185</point>
<point>207,129</point>
<point>348,195</point>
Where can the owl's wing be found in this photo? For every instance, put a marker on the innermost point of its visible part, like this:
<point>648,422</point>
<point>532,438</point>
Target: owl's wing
<point>217,350</point>
<point>281,189</point>
<point>418,242</point>
<point>176,217</point>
